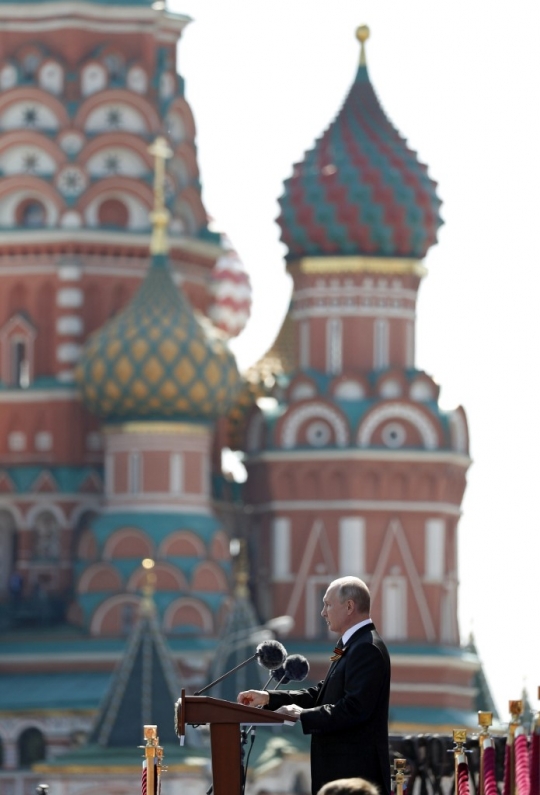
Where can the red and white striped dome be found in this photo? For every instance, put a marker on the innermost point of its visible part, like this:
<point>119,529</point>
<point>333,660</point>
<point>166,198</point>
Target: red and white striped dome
<point>231,290</point>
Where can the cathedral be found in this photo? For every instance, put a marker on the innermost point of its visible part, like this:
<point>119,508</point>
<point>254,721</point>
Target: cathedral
<point>119,393</point>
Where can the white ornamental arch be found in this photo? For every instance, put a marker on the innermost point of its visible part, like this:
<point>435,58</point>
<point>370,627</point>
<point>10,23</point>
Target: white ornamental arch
<point>318,411</point>
<point>399,411</point>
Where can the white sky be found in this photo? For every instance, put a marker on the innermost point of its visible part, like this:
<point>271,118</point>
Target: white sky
<point>460,80</point>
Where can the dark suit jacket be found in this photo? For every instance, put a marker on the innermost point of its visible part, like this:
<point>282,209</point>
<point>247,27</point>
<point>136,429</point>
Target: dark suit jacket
<point>347,714</point>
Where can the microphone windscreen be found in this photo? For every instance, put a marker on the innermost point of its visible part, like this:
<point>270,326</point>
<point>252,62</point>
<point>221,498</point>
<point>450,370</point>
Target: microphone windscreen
<point>296,667</point>
<point>271,654</point>
<point>280,675</point>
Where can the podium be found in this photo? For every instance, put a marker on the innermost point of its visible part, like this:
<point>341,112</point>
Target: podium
<point>225,719</point>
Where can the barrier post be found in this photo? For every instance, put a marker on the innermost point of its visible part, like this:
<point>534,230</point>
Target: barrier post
<point>515,709</point>
<point>399,774</point>
<point>485,719</point>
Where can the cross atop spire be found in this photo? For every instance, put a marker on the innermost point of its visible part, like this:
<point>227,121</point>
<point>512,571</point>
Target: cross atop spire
<point>362,34</point>
<point>160,215</point>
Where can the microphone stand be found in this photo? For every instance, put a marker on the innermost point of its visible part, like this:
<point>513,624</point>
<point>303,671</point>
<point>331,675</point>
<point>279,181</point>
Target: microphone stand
<point>251,731</point>
<point>244,732</point>
<point>222,677</point>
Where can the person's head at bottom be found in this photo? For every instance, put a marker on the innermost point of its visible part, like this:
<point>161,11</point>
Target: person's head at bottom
<point>349,786</point>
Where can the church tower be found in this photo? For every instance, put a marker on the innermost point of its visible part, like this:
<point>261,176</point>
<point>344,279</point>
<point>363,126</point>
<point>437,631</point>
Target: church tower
<point>84,89</point>
<point>99,474</point>
<point>353,466</point>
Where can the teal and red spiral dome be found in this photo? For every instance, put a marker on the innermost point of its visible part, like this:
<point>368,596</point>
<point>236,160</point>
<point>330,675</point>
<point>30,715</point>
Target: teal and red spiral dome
<point>360,191</point>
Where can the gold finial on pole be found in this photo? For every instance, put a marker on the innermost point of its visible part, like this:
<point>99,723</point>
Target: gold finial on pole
<point>239,554</point>
<point>460,738</point>
<point>150,755</point>
<point>515,708</point>
<point>160,215</point>
<point>485,719</point>
<point>148,587</point>
<point>362,34</point>
<point>399,775</point>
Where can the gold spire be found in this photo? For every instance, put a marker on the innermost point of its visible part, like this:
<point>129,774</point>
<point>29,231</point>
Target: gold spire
<point>240,568</point>
<point>160,215</point>
<point>362,34</point>
<point>149,587</point>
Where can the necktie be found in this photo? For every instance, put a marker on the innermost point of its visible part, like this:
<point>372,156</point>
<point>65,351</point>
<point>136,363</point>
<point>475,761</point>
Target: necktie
<point>338,651</point>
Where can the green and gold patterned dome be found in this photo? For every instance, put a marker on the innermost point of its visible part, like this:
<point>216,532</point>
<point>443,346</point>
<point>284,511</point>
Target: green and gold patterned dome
<point>154,360</point>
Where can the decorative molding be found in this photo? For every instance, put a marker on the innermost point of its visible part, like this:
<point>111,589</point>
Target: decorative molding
<point>400,265</point>
<point>154,428</point>
<point>449,457</point>
<point>46,505</point>
<point>200,607</point>
<point>444,508</point>
<point>396,534</point>
<point>354,310</point>
<point>317,536</point>
<point>414,687</point>
<point>106,606</point>
<point>119,535</point>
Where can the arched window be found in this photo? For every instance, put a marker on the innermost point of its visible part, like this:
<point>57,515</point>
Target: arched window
<point>30,63</point>
<point>31,214</point>
<point>46,539</point>
<point>113,213</point>
<point>17,339</point>
<point>115,66</point>
<point>20,371</point>
<point>7,549</point>
<point>31,745</point>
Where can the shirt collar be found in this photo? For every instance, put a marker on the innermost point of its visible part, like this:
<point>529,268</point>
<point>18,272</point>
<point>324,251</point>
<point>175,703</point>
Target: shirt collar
<point>347,635</point>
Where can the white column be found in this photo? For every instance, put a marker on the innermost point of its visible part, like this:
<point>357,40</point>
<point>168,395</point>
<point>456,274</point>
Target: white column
<point>352,546</point>
<point>434,549</point>
<point>69,324</point>
<point>281,548</point>
<point>409,345</point>
<point>109,473</point>
<point>394,607</point>
<point>135,473</point>
<point>381,344</point>
<point>176,473</point>
<point>334,345</point>
<point>304,342</point>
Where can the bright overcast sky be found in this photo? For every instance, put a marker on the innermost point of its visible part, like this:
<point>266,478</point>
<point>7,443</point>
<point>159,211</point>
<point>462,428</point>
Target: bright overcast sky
<point>459,79</point>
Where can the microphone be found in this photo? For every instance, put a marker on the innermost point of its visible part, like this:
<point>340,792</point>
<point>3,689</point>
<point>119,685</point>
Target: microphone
<point>270,654</point>
<point>294,669</point>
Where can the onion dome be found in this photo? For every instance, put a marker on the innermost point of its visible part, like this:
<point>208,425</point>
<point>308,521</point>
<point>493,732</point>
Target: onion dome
<point>231,292</point>
<point>154,360</point>
<point>360,190</point>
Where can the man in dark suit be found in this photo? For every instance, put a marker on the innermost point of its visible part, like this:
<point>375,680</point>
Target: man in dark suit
<point>347,712</point>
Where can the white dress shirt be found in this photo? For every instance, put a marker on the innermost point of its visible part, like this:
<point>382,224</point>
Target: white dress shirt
<point>350,632</point>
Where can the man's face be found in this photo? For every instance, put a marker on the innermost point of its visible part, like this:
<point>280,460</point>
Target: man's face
<point>335,613</point>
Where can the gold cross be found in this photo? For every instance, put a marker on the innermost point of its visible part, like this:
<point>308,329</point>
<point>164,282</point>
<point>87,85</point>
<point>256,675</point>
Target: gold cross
<point>160,215</point>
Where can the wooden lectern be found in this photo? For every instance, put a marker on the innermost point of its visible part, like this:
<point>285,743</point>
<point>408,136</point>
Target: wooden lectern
<point>225,719</point>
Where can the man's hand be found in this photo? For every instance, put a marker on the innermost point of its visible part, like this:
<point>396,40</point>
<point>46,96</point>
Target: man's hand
<point>253,698</point>
<point>293,710</point>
